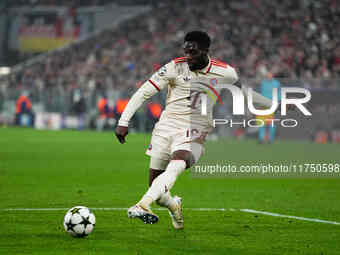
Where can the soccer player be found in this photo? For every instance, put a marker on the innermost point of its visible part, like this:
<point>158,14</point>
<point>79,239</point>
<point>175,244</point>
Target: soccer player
<point>178,138</point>
<point>267,86</point>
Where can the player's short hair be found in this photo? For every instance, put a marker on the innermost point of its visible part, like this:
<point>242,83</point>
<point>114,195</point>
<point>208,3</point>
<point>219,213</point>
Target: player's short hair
<point>202,38</point>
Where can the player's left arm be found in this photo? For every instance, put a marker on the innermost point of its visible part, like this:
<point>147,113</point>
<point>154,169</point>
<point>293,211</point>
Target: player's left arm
<point>232,77</point>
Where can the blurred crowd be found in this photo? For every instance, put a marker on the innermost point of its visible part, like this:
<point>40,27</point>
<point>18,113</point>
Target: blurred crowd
<point>76,3</point>
<point>291,39</point>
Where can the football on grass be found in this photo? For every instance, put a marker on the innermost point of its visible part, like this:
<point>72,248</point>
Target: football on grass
<point>79,221</point>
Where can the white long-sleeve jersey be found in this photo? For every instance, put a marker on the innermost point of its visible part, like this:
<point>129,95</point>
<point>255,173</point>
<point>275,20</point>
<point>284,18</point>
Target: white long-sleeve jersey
<point>182,101</point>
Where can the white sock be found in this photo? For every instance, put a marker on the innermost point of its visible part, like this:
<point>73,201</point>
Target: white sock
<point>166,200</point>
<point>164,182</point>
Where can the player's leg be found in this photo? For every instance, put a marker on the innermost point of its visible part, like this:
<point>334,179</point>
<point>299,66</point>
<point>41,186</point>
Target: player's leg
<point>159,190</point>
<point>267,133</point>
<point>262,133</point>
<point>168,146</point>
<point>183,156</point>
<point>160,155</point>
<point>271,133</point>
<point>142,210</point>
<point>164,181</point>
<point>181,159</point>
<point>175,211</point>
<point>196,150</point>
<point>153,174</point>
<point>157,167</point>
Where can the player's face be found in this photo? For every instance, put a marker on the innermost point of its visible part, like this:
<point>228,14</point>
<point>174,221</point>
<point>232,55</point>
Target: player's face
<point>195,56</point>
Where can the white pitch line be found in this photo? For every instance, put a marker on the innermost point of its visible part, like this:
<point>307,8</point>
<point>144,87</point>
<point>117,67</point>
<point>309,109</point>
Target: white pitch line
<point>187,209</point>
<point>290,216</point>
<point>106,209</point>
<point>163,209</point>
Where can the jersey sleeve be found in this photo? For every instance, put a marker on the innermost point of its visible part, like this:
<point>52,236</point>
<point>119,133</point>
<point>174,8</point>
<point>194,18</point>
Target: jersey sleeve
<point>158,81</point>
<point>232,75</point>
<point>165,75</point>
<point>228,73</point>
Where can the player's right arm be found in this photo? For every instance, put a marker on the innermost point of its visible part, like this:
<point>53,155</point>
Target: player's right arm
<point>232,77</point>
<point>156,83</point>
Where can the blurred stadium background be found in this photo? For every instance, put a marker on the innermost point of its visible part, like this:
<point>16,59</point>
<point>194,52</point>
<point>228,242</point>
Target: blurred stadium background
<point>67,55</point>
<point>73,64</point>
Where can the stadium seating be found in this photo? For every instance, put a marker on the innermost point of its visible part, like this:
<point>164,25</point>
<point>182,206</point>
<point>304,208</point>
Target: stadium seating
<point>296,39</point>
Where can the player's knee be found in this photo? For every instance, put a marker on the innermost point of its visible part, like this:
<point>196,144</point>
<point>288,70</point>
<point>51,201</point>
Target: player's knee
<point>157,167</point>
<point>153,174</point>
<point>184,155</point>
<point>161,201</point>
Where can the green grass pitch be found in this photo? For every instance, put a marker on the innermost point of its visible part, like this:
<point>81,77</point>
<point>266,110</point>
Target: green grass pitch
<point>46,169</point>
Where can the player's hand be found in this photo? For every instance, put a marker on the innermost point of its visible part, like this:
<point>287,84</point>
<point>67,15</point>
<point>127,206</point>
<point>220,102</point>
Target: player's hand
<point>121,132</point>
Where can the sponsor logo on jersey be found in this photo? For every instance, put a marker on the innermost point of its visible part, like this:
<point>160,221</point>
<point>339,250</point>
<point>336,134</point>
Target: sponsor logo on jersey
<point>187,78</point>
